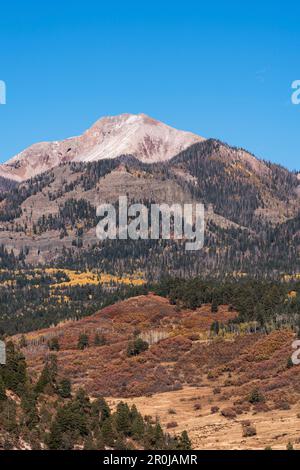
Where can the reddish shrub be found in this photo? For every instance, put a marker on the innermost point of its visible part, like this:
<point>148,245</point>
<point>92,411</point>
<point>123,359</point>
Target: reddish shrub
<point>172,424</point>
<point>214,409</point>
<point>228,413</point>
<point>194,337</point>
<point>197,406</point>
<point>261,408</point>
<point>282,405</point>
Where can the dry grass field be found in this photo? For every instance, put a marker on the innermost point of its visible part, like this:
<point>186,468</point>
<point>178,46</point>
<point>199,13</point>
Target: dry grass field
<point>207,430</point>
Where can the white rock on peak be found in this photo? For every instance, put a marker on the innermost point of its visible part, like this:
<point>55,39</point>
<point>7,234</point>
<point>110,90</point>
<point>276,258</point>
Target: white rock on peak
<point>139,135</point>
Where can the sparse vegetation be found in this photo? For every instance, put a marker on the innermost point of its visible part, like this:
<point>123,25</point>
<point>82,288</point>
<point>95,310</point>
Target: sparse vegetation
<point>249,430</point>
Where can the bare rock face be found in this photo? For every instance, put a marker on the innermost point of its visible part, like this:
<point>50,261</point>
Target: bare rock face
<point>110,137</point>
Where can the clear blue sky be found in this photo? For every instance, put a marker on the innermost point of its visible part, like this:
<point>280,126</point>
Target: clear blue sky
<point>220,69</point>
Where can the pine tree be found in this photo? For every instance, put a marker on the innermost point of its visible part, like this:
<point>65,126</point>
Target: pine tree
<point>14,374</point>
<point>99,444</point>
<point>89,443</point>
<point>23,342</point>
<point>215,328</point>
<point>107,432</point>
<point>184,441</point>
<point>2,390</point>
<point>122,418</point>
<point>53,344</point>
<point>102,409</point>
<point>138,428</point>
<point>30,414</point>
<point>289,363</point>
<point>120,444</point>
<point>54,439</point>
<point>9,416</point>
<point>83,341</point>
<point>48,375</point>
<point>82,401</point>
<point>256,396</point>
<point>158,436</point>
<point>214,306</point>
<point>289,446</point>
<point>64,388</point>
<point>137,346</point>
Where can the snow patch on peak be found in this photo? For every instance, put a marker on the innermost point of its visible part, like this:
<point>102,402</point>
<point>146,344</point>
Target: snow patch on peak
<point>139,135</point>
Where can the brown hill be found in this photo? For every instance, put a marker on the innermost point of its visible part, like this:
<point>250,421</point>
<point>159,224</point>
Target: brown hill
<point>106,370</point>
<point>219,388</point>
<point>182,351</point>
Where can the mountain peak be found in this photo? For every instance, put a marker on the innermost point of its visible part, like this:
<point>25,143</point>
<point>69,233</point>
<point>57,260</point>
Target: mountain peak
<point>145,138</point>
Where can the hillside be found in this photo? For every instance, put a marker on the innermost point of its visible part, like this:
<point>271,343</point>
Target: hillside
<point>49,415</point>
<point>150,315</point>
<point>213,381</point>
<point>252,214</point>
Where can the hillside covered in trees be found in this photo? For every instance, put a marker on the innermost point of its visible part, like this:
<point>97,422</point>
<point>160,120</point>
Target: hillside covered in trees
<point>36,298</point>
<point>252,215</point>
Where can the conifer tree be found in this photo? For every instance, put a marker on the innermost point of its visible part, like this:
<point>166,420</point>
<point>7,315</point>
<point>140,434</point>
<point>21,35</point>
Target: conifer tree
<point>64,388</point>
<point>122,418</point>
<point>14,374</point>
<point>23,342</point>
<point>89,443</point>
<point>2,390</point>
<point>289,363</point>
<point>83,341</point>
<point>137,346</point>
<point>30,414</point>
<point>48,375</point>
<point>102,409</point>
<point>53,344</point>
<point>138,427</point>
<point>107,432</point>
<point>289,446</point>
<point>158,435</point>
<point>54,440</point>
<point>184,441</point>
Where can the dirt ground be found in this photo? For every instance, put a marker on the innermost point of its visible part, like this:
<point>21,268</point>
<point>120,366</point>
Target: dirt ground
<point>275,428</point>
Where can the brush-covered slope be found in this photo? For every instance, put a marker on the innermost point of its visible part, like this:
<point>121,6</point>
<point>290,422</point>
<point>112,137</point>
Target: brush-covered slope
<point>184,346</point>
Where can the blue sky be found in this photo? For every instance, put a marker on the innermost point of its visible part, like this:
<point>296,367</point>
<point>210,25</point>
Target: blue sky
<point>222,70</point>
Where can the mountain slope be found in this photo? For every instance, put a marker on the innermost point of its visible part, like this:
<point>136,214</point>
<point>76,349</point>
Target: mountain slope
<point>214,383</point>
<point>139,135</point>
<point>6,185</point>
<point>252,214</point>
